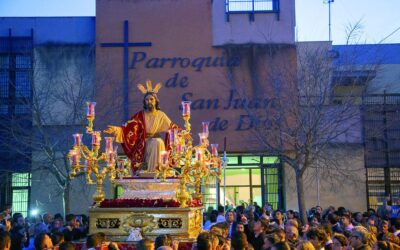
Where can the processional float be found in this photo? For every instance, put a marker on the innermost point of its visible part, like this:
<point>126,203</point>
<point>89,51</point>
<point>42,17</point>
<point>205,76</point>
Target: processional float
<point>158,205</point>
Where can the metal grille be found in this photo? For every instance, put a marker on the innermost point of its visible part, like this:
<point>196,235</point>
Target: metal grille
<point>272,187</point>
<point>22,84</point>
<point>381,126</point>
<point>21,183</point>
<point>4,84</point>
<point>381,121</point>
<point>250,5</point>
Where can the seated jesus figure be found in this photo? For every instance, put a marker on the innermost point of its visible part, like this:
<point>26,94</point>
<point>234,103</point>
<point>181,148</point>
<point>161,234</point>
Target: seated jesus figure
<point>140,136</point>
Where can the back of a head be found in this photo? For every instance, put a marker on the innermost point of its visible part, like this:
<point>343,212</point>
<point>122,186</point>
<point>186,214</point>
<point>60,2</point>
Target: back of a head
<point>146,244</point>
<point>333,218</point>
<point>204,241</point>
<point>362,233</point>
<point>165,248</point>
<point>39,239</point>
<point>221,209</point>
<point>282,245</point>
<point>57,238</point>
<point>93,240</point>
<point>66,246</point>
<point>306,245</point>
<point>239,241</point>
<point>5,239</point>
<point>70,217</point>
<point>162,240</point>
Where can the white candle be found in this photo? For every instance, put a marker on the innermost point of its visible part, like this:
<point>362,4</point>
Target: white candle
<point>90,109</point>
<point>214,150</point>
<point>186,108</point>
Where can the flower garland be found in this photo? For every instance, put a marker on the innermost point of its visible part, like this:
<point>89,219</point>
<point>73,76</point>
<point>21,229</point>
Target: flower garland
<point>124,203</point>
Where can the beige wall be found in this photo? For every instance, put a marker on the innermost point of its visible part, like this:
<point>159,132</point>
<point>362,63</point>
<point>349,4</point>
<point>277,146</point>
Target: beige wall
<point>349,192</point>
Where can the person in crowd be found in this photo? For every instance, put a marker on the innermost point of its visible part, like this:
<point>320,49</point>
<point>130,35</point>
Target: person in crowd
<point>66,246</point>
<point>47,220</point>
<point>93,241</point>
<point>146,244</point>
<point>221,211</point>
<point>359,237</point>
<point>317,237</point>
<point>269,241</point>
<point>211,221</point>
<point>256,238</point>
<point>71,231</point>
<point>292,235</point>
<point>386,235</point>
<point>56,226</point>
<point>5,240</point>
<point>166,240</point>
<point>305,245</point>
<point>345,222</point>
<point>42,242</point>
<point>230,219</point>
<point>239,241</point>
<point>396,227</point>
<point>57,238</point>
<point>280,234</point>
<point>329,234</point>
<point>339,242</point>
<point>278,219</point>
<point>281,246</point>
<point>333,220</point>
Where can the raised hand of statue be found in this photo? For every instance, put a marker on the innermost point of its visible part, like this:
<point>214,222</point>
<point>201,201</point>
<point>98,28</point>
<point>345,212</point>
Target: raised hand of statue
<point>116,131</point>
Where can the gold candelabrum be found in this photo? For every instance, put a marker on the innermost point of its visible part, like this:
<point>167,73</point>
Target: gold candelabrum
<point>194,164</point>
<point>96,164</point>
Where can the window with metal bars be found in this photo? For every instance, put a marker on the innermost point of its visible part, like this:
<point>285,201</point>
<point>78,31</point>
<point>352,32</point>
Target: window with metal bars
<point>21,184</point>
<point>244,6</point>
<point>381,126</point>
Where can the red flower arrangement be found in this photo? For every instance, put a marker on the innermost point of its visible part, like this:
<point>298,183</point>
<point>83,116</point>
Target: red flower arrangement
<point>114,203</point>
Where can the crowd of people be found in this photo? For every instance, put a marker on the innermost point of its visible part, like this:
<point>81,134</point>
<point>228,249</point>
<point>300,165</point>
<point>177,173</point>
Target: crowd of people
<point>252,227</point>
<point>240,228</point>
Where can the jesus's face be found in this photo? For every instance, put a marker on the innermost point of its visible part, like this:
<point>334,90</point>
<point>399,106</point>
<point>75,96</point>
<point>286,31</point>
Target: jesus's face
<point>150,102</point>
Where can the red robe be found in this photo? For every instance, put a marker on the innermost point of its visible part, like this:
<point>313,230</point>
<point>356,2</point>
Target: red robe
<point>134,140</point>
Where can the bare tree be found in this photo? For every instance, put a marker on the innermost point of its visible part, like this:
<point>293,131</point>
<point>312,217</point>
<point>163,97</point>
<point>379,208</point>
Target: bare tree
<point>314,108</point>
<point>59,91</point>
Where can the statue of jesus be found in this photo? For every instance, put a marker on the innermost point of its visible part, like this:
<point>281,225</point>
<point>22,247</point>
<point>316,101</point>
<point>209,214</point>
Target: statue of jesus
<point>140,136</point>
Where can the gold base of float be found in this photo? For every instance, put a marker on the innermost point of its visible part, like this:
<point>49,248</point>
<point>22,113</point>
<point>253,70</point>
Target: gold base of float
<point>183,224</point>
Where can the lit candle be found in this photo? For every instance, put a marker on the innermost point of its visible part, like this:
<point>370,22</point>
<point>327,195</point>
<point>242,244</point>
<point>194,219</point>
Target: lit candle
<point>90,109</point>
<point>178,148</point>
<point>214,150</point>
<point>199,154</point>
<point>172,136</point>
<point>72,157</point>
<point>205,127</point>
<point>186,108</point>
<point>121,164</point>
<point>109,144</point>
<point>96,138</point>
<point>110,158</point>
<point>164,157</point>
<point>203,138</point>
<point>77,139</point>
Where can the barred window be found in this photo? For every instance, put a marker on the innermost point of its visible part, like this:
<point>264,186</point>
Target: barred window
<point>23,62</point>
<point>22,84</point>
<point>251,5</point>
<point>21,183</point>
<point>4,62</point>
<point>4,84</point>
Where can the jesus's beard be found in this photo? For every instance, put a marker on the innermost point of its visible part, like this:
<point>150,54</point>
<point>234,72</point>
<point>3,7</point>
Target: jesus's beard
<point>150,107</point>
